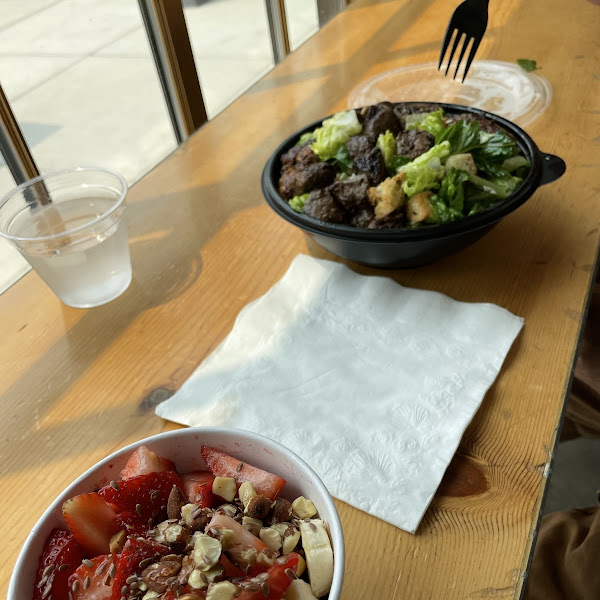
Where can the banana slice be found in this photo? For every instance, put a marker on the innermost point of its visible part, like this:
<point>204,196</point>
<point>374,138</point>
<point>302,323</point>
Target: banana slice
<point>319,555</point>
<point>299,590</point>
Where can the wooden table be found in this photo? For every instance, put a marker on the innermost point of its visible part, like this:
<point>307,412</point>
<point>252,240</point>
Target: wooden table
<point>78,384</point>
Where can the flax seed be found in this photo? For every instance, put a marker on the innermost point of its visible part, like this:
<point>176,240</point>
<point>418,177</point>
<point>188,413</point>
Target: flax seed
<point>64,566</point>
<point>48,570</point>
<point>239,467</point>
<point>154,495</point>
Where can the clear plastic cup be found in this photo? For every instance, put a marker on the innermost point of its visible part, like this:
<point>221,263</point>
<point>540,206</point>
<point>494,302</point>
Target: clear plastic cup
<point>70,227</point>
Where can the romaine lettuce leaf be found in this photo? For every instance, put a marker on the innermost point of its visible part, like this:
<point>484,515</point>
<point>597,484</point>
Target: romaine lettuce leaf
<point>432,122</point>
<point>306,137</point>
<point>425,171</point>
<point>462,135</point>
<point>451,191</point>
<point>501,187</point>
<point>386,142</point>
<point>334,133</point>
<point>342,160</point>
<point>298,202</point>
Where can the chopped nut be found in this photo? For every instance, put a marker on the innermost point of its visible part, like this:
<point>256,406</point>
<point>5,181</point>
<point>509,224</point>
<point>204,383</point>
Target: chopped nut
<point>229,509</point>
<point>252,525</point>
<point>258,507</point>
<point>266,557</point>
<point>290,540</point>
<point>117,542</point>
<point>281,528</point>
<point>197,580</point>
<point>227,538</point>
<point>176,501</point>
<point>224,590</point>
<point>207,551</point>
<point>281,510</point>
<point>304,508</point>
<point>224,487</point>
<point>158,575</point>
<point>215,573</point>
<point>246,493</point>
<point>150,595</point>
<point>195,516</point>
<point>270,537</point>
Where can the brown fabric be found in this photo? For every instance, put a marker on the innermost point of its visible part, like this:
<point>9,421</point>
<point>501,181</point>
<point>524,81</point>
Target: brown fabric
<point>565,563</point>
<point>582,418</point>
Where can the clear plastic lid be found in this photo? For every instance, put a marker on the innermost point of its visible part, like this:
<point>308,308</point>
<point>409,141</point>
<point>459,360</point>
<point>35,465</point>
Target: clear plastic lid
<point>499,87</point>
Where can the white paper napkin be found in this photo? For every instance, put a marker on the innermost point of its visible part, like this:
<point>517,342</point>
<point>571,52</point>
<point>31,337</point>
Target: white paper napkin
<point>371,383</point>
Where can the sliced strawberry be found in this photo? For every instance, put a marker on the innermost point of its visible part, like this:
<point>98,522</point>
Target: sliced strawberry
<point>60,557</point>
<point>197,486</point>
<point>277,582</point>
<point>144,461</point>
<point>135,551</point>
<point>223,465</point>
<point>132,523</point>
<point>92,521</point>
<point>93,580</point>
<point>145,495</point>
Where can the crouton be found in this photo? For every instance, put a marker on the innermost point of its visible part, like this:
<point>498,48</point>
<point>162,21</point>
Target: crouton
<point>387,196</point>
<point>418,208</point>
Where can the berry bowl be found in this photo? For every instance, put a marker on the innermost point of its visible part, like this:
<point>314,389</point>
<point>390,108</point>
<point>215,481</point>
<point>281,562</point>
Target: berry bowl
<point>245,470</point>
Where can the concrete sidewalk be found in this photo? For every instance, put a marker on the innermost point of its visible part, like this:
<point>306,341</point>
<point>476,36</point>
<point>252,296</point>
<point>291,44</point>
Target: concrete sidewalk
<point>82,82</point>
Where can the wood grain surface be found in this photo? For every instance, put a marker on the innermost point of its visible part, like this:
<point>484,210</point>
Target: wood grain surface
<point>76,385</point>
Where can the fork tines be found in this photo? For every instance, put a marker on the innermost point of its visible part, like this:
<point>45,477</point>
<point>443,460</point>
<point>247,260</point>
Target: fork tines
<point>468,22</point>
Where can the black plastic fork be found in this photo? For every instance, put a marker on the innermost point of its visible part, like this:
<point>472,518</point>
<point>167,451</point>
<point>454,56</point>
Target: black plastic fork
<point>469,19</point>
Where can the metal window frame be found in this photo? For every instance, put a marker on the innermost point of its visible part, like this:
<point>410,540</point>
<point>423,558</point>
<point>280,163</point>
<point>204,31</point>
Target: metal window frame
<point>278,29</point>
<point>13,146</point>
<point>171,48</point>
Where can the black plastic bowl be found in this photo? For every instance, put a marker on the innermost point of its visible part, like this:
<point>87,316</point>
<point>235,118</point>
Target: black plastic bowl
<point>397,248</point>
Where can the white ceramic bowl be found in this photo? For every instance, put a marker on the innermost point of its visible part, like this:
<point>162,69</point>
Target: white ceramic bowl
<point>183,448</point>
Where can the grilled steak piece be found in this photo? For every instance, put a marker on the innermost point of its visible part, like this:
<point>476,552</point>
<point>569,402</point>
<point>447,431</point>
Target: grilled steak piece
<point>392,221</point>
<point>321,205</point>
<point>486,125</point>
<point>379,118</point>
<point>299,156</point>
<point>359,145</point>
<point>413,143</point>
<point>295,181</point>
<point>372,165</point>
<point>352,193</point>
<point>363,218</point>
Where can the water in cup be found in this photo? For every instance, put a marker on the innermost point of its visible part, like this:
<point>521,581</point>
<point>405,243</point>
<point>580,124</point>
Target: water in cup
<point>84,268</point>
